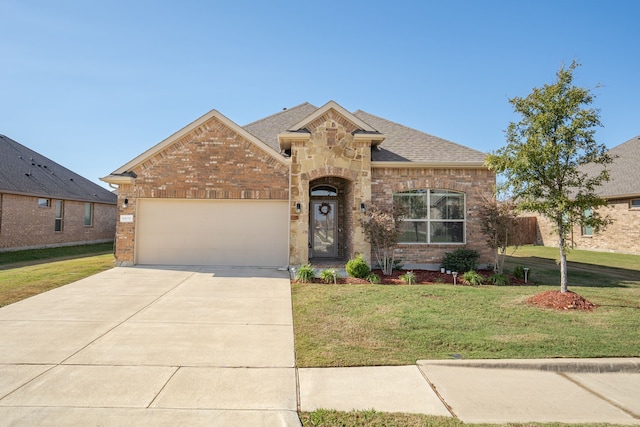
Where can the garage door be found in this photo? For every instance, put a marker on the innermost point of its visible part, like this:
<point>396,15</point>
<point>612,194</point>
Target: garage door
<point>220,232</point>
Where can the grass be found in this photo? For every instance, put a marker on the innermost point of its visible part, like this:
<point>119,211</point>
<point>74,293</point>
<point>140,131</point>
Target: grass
<point>360,325</point>
<point>32,272</point>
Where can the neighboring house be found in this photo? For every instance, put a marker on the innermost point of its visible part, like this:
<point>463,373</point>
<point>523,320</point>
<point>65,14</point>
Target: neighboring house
<point>43,204</point>
<point>623,194</point>
<point>291,188</point>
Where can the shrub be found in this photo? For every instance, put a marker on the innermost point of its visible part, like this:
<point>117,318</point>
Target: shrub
<point>499,279</point>
<point>373,278</point>
<point>357,267</point>
<point>518,272</point>
<point>329,275</point>
<point>462,259</point>
<point>473,278</point>
<point>409,278</point>
<point>305,273</point>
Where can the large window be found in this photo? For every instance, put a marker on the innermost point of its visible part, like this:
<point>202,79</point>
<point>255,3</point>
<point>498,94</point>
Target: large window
<point>434,216</point>
<point>59,215</point>
<point>88,214</point>
<point>587,230</point>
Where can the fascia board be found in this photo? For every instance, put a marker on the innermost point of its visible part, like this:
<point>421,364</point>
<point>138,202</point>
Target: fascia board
<point>431,165</point>
<point>326,107</point>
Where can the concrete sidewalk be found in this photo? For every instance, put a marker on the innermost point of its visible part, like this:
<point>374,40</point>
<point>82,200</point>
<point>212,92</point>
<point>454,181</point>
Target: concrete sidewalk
<point>152,346</point>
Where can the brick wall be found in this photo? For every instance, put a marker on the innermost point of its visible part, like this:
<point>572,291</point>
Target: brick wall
<point>472,182</point>
<point>621,236</point>
<point>23,224</point>
<point>210,162</point>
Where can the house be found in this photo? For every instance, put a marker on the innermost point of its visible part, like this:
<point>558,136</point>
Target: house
<point>622,191</point>
<point>291,188</point>
<point>43,204</point>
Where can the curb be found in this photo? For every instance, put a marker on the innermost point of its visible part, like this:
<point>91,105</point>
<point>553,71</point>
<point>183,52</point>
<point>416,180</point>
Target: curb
<point>631,365</point>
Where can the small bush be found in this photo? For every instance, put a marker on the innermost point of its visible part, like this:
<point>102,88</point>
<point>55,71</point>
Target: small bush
<point>462,259</point>
<point>397,264</point>
<point>305,273</point>
<point>409,278</point>
<point>373,278</point>
<point>498,279</point>
<point>518,272</point>
<point>357,267</point>
<point>473,278</point>
<point>329,275</point>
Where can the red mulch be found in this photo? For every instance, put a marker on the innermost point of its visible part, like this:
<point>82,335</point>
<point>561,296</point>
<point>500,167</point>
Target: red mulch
<point>561,301</point>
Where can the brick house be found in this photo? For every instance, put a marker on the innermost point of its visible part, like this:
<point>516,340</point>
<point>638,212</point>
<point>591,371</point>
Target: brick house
<point>43,204</point>
<point>623,194</point>
<point>291,188</point>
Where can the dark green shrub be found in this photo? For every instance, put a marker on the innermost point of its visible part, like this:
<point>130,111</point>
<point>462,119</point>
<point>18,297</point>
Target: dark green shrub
<point>329,275</point>
<point>357,267</point>
<point>305,273</point>
<point>473,278</point>
<point>518,272</point>
<point>498,279</point>
<point>460,260</point>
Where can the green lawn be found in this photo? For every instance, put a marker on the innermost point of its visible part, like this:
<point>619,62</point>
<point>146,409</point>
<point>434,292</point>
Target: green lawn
<point>27,273</point>
<point>354,325</point>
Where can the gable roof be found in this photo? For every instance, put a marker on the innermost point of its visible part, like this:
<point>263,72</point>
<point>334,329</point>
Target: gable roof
<point>624,174</point>
<point>401,143</point>
<point>26,172</point>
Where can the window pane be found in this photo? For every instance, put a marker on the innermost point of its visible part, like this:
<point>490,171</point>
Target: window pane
<point>44,203</point>
<point>324,190</point>
<point>59,215</point>
<point>447,232</point>
<point>415,203</point>
<point>413,232</point>
<point>635,203</point>
<point>447,205</point>
<point>88,214</point>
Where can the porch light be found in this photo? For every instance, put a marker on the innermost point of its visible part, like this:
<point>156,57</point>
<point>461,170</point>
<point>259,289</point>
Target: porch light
<point>362,208</point>
<point>298,207</point>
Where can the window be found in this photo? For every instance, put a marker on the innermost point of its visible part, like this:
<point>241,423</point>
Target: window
<point>88,214</point>
<point>324,191</point>
<point>59,215</point>
<point>587,230</point>
<point>635,204</point>
<point>44,203</point>
<point>434,216</point>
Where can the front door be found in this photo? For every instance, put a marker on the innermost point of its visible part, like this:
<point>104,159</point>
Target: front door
<point>324,239</point>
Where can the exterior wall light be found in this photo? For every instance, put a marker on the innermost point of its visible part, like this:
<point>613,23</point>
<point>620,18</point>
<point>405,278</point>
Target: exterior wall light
<point>298,207</point>
<point>362,208</point>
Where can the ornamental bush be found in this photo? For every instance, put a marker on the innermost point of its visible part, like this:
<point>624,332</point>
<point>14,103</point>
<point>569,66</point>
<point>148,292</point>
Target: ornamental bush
<point>357,267</point>
<point>305,273</point>
<point>329,275</point>
<point>461,260</point>
<point>473,278</point>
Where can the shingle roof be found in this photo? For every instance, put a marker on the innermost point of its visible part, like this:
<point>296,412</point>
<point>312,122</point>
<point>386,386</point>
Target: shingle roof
<point>402,144</point>
<point>624,174</point>
<point>406,144</point>
<point>24,171</point>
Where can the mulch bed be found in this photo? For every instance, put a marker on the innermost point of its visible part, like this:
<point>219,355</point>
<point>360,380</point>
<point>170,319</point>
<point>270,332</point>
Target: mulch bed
<point>560,301</point>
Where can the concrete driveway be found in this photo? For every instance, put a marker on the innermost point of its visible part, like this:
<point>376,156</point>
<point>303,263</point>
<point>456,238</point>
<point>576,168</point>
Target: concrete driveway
<point>152,346</point>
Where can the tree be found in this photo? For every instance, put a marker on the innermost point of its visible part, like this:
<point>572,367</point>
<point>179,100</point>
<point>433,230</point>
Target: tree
<point>382,229</point>
<point>498,221</point>
<point>542,161</point>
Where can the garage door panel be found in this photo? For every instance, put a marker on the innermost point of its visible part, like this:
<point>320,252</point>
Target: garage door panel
<point>196,232</point>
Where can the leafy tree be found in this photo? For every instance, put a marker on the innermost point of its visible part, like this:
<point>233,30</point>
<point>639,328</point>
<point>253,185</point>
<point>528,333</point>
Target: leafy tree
<point>542,161</point>
<point>498,222</point>
<point>382,229</point>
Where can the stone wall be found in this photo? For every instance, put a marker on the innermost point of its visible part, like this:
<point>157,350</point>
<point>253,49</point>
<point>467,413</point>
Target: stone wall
<point>472,182</point>
<point>623,235</point>
<point>25,225</point>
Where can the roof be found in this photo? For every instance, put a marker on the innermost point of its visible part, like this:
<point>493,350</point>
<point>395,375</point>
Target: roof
<point>624,174</point>
<point>24,171</point>
<point>401,143</point>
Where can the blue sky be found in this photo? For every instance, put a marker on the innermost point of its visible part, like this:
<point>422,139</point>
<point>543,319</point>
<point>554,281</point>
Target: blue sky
<point>93,84</point>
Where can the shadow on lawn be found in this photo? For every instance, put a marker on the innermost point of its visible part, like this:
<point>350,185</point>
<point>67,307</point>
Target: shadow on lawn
<point>546,271</point>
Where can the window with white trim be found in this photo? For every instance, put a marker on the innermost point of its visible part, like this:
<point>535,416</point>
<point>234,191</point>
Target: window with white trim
<point>587,230</point>
<point>88,214</point>
<point>59,215</point>
<point>434,216</point>
<point>634,204</point>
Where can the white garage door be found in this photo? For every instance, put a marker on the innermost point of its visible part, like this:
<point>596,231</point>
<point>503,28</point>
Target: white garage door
<point>212,232</point>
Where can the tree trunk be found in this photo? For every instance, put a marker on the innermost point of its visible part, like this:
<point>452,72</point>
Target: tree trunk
<point>563,265</point>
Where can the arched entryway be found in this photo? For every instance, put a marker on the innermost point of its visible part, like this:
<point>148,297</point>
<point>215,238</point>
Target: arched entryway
<point>330,219</point>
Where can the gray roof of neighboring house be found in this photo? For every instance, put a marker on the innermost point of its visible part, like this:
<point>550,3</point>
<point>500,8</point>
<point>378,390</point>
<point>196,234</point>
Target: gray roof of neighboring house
<point>23,171</point>
<point>624,174</point>
<point>402,144</point>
